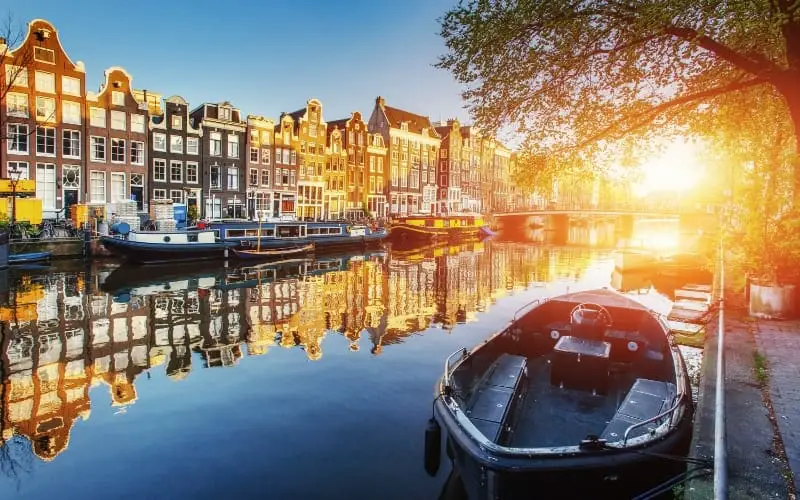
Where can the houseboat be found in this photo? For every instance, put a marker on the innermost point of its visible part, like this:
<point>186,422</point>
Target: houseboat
<point>152,247</point>
<point>324,235</point>
<point>584,394</point>
<point>432,227</point>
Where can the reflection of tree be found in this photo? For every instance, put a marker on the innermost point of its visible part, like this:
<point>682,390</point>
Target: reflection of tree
<point>16,457</point>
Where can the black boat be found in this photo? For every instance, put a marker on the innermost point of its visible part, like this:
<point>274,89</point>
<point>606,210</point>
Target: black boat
<point>584,394</point>
<point>156,247</point>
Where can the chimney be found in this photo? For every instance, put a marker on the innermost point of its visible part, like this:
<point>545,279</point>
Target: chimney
<point>380,101</point>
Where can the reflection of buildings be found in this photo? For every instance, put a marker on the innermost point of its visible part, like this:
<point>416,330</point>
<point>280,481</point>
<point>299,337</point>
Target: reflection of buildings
<point>59,340</point>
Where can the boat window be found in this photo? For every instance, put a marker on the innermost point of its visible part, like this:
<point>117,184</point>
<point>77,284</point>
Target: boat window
<point>288,231</point>
<point>267,232</point>
<point>251,232</point>
<point>234,233</point>
<point>191,237</point>
<point>334,230</point>
<point>315,230</point>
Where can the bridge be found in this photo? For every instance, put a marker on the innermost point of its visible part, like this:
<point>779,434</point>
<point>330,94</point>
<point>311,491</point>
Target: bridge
<point>597,212</point>
<point>644,209</point>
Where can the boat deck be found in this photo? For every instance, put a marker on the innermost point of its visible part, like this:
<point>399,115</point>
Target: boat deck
<point>555,416</point>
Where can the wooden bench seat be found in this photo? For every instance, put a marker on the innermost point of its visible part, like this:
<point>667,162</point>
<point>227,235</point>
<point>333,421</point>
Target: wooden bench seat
<point>491,405</point>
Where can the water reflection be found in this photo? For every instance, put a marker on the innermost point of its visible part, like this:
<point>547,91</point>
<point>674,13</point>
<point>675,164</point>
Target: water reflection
<point>62,335</point>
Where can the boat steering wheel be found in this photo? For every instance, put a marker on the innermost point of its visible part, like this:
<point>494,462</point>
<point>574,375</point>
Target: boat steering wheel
<point>595,308</point>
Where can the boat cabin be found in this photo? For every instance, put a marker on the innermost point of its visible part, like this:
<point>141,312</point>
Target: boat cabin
<point>172,237</point>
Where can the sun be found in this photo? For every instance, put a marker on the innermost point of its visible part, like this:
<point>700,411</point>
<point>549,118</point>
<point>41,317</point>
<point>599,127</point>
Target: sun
<point>676,169</point>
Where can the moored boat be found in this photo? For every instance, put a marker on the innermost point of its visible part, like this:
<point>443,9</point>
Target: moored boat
<point>583,394</point>
<point>29,258</point>
<point>325,235</point>
<point>274,253</point>
<point>428,227</point>
<point>150,247</point>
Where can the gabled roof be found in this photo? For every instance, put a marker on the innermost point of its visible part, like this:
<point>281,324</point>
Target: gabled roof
<point>444,131</point>
<point>416,123</point>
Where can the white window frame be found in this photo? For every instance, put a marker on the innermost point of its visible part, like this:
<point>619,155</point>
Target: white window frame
<point>117,98</point>
<point>101,174</point>
<point>23,167</point>
<point>42,191</point>
<point>38,153</point>
<point>141,153</point>
<point>119,120</point>
<point>228,171</point>
<point>17,105</point>
<point>44,50</point>
<point>180,171</point>
<point>97,117</point>
<point>137,123</point>
<point>41,79</point>
<point>265,156</point>
<point>71,118</point>
<point>257,155</point>
<point>192,145</point>
<point>116,141</point>
<point>233,146</point>
<point>20,75</point>
<point>176,144</point>
<point>23,138</point>
<point>160,142</point>
<point>125,190</point>
<point>159,194</point>
<point>70,86</point>
<point>46,115</point>
<point>177,122</point>
<point>215,138</point>
<point>176,194</point>
<point>64,133</point>
<point>92,142</point>
<point>162,163</point>
<point>196,167</point>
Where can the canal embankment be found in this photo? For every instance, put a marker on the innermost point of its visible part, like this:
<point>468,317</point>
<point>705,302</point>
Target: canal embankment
<point>762,407</point>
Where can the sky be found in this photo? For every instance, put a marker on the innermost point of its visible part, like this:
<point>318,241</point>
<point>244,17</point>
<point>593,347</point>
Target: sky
<point>264,56</point>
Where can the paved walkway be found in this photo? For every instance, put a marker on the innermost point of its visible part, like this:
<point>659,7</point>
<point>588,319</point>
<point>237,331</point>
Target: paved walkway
<point>779,342</point>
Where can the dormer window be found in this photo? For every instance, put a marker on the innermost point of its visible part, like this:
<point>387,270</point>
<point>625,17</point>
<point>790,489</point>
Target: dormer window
<point>44,55</point>
<point>177,122</point>
<point>224,113</point>
<point>404,126</point>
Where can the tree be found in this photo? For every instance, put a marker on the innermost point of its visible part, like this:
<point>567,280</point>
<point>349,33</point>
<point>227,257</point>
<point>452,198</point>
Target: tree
<point>15,61</point>
<point>570,74</point>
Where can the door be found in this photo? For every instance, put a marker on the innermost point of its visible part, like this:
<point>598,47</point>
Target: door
<point>46,185</point>
<point>71,182</point>
<point>137,190</point>
<point>276,206</point>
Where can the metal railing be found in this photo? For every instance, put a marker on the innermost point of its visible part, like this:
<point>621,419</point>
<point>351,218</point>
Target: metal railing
<point>661,415</point>
<point>720,445</point>
<point>446,378</point>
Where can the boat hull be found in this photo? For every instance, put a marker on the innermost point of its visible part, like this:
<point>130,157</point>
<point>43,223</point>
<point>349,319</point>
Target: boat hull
<point>157,253</point>
<point>272,254</point>
<point>591,474</point>
<point>29,258</point>
<point>406,232</point>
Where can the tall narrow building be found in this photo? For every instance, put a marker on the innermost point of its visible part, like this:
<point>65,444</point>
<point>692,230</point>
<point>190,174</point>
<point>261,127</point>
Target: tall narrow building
<point>117,141</point>
<point>449,167</point>
<point>260,196</point>
<point>284,183</point>
<point>175,171</point>
<point>376,182</point>
<point>413,145</point>
<point>354,136</point>
<point>311,132</point>
<point>43,118</point>
<point>335,174</point>
<point>222,159</point>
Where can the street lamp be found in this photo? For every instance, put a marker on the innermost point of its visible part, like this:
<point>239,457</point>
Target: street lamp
<point>14,171</point>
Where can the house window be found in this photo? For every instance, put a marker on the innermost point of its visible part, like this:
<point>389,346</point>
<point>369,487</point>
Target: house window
<point>117,98</point>
<point>45,109</point>
<point>97,117</point>
<point>159,142</point>
<point>177,122</point>
<point>20,167</point>
<point>214,177</point>
<point>45,82</point>
<point>175,144</point>
<point>265,177</point>
<point>253,177</point>
<point>16,75</point>
<point>44,55</point>
<point>160,170</point>
<point>215,142</point>
<point>17,138</point>
<point>159,194</point>
<point>71,176</point>
<point>176,195</point>
<point>286,156</point>
<point>118,188</point>
<point>137,153</point>
<point>192,145</point>
<point>118,120</point>
<point>117,151</point>
<point>233,178</point>
<point>265,137</point>
<point>285,176</point>
<point>45,141</point>
<point>70,86</point>
<point>265,156</point>
<point>71,112</point>
<point>98,152</point>
<point>224,113</point>
<point>97,186</point>
<point>17,105</point>
<point>176,171</point>
<point>291,177</point>
<point>191,172</point>
<point>233,146</point>
<point>253,155</point>
<point>46,185</point>
<point>71,144</point>
<point>293,158</point>
<point>137,123</point>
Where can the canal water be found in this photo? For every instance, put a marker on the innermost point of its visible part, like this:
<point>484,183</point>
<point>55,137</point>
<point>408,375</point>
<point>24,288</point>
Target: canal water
<point>311,379</point>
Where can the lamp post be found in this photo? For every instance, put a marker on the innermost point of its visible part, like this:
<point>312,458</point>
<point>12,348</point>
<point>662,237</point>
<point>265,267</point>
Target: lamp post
<point>14,173</point>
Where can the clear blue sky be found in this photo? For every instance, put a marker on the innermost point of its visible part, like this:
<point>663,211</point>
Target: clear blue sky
<point>264,56</point>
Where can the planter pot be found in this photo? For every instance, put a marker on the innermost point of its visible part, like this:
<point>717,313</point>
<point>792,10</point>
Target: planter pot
<point>772,301</point>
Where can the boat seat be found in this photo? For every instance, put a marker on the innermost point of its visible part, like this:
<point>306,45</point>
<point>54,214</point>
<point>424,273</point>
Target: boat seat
<point>646,399</point>
<point>491,406</point>
<point>581,364</point>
